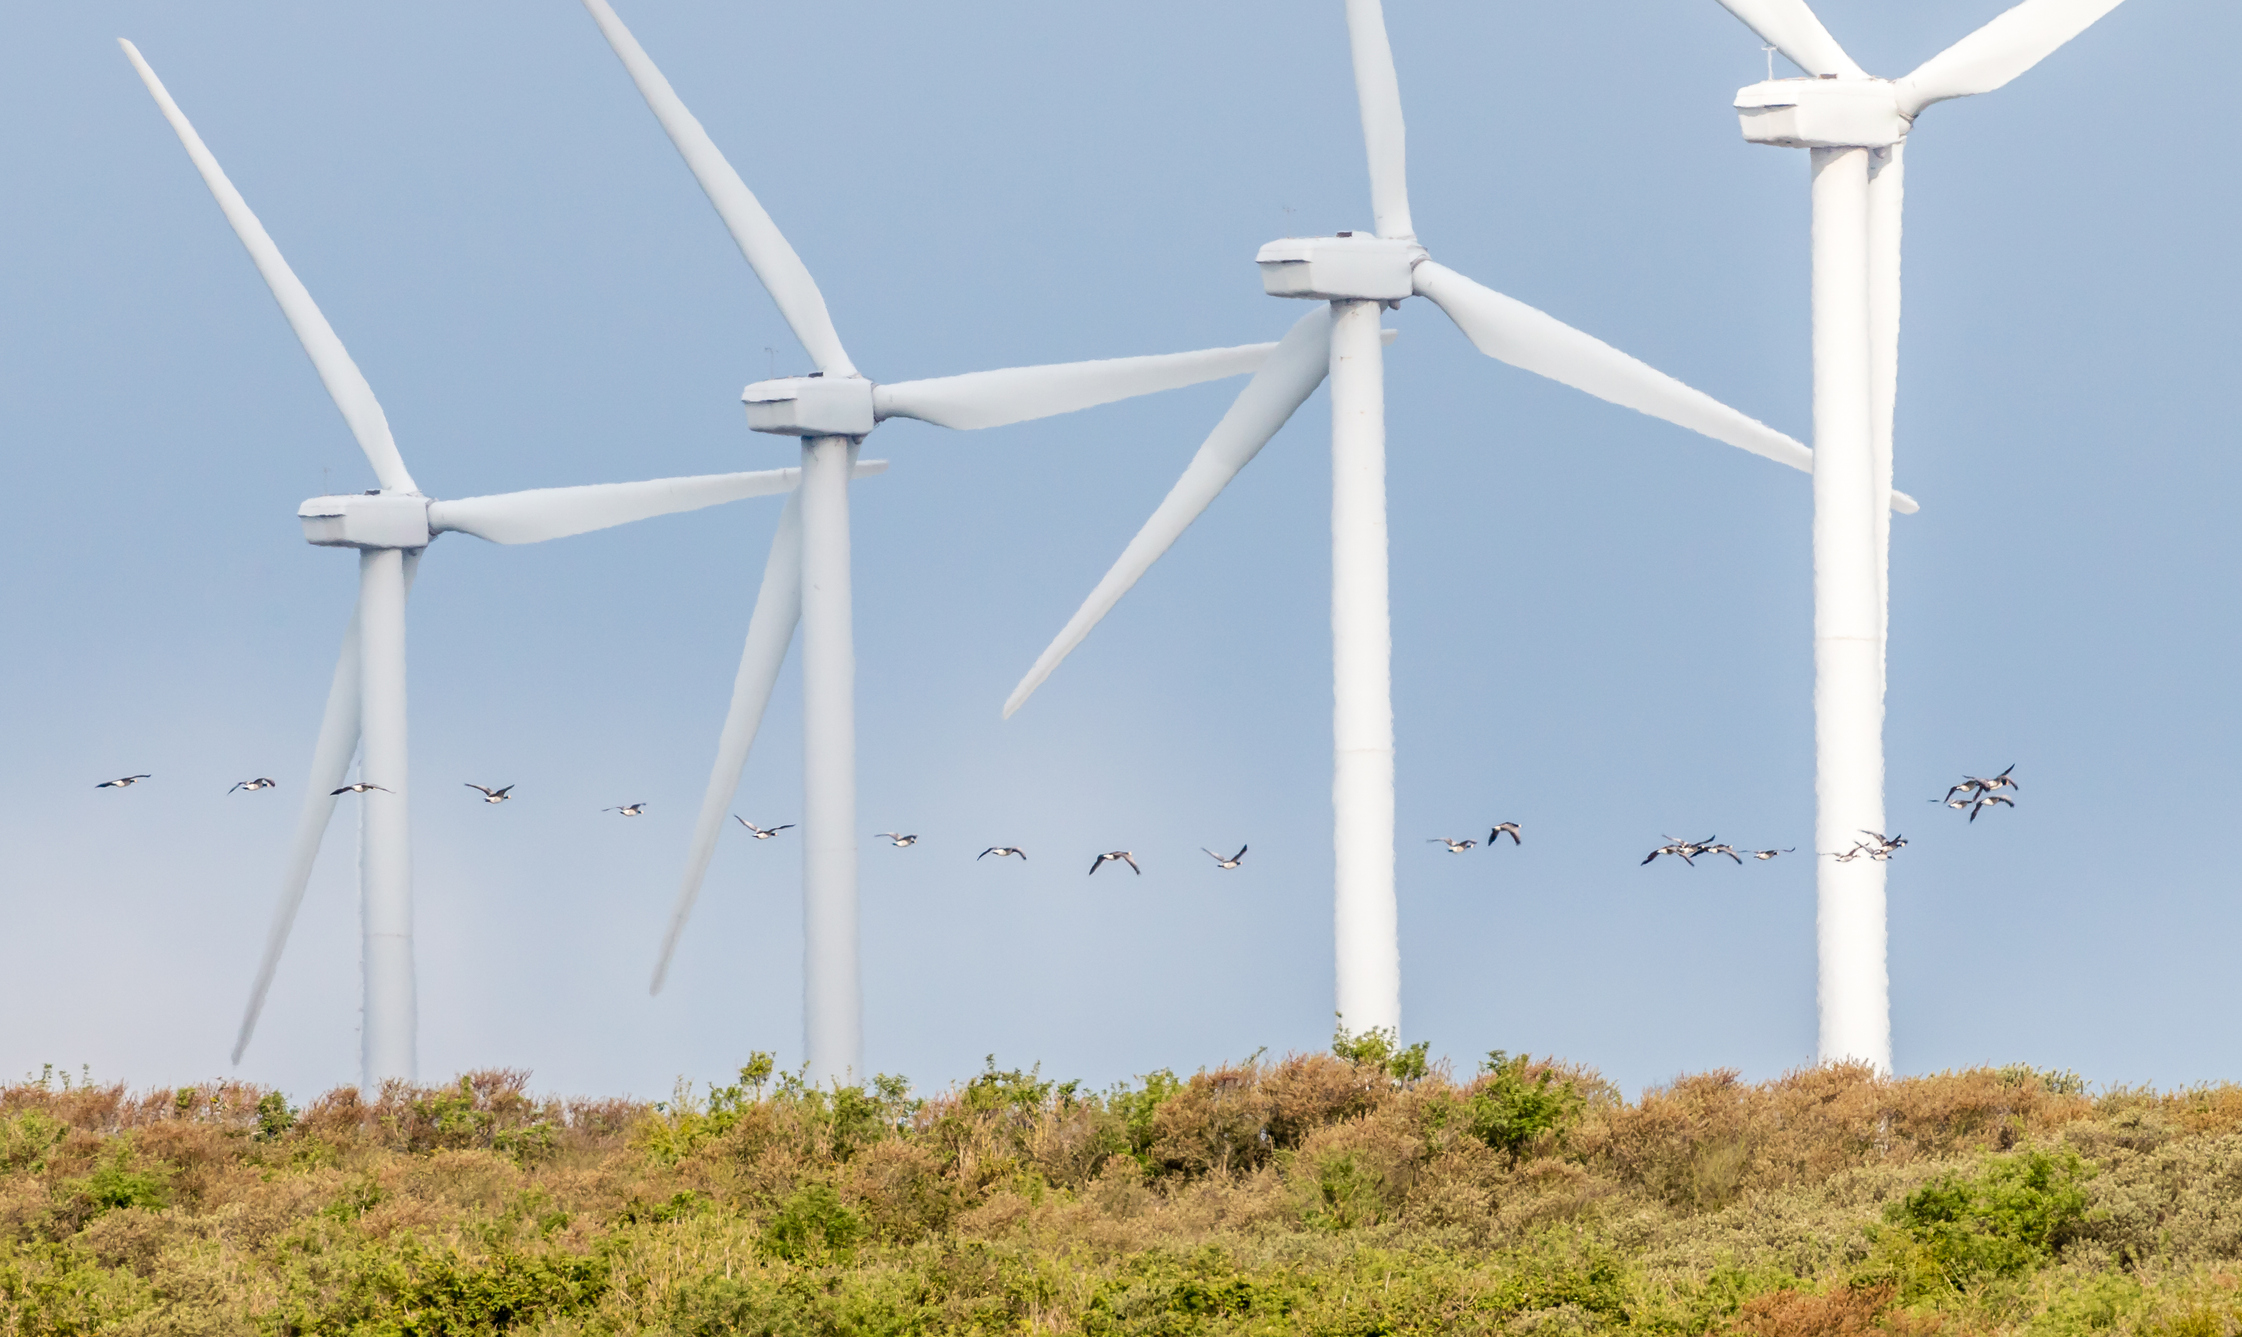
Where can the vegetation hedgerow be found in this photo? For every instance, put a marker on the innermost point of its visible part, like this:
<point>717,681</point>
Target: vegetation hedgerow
<point>1363,1190</point>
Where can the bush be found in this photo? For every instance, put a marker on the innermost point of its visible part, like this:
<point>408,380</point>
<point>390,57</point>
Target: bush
<point>1517,1105</point>
<point>2007,1218</point>
<point>813,1226</point>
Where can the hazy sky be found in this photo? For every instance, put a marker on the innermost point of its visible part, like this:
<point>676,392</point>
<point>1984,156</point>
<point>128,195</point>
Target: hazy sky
<point>1601,622</point>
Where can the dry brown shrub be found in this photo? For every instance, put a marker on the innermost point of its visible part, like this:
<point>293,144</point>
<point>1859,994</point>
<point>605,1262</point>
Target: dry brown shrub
<point>901,1190</point>
<point>1845,1312</point>
<point>339,1116</point>
<point>1688,1143</point>
<point>1310,1091</point>
<point>131,1237</point>
<point>1071,1143</point>
<point>1361,1171</point>
<point>1217,1124</point>
<point>2211,1108</point>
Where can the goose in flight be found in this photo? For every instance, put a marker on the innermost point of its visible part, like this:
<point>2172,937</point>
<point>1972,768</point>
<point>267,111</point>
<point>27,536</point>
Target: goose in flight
<point>125,782</point>
<point>1002,851</point>
<point>897,839</point>
<point>628,809</point>
<point>1504,828</point>
<point>359,788</point>
<point>1220,862</point>
<point>1684,850</point>
<point>1454,846</point>
<point>254,785</point>
<point>1987,800</point>
<point>1764,855</point>
<point>1880,846</point>
<point>761,833</point>
<point>1972,785</point>
<point>491,795</point>
<point>1124,856</point>
<point>1729,850</point>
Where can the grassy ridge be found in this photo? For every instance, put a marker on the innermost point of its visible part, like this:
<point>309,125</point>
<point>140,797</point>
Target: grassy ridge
<point>1351,1192</point>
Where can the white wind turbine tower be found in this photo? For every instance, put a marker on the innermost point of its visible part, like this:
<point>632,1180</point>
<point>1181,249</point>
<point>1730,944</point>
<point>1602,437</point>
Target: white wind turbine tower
<point>1357,273</point>
<point>1857,126</point>
<point>391,528</point>
<point>807,577</point>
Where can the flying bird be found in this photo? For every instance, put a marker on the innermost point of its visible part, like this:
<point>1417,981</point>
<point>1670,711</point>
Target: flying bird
<point>359,788</point>
<point>126,783</point>
<point>1220,862</point>
<point>1684,850</point>
<point>1986,800</point>
<point>1880,846</point>
<point>1764,855</point>
<point>1972,785</point>
<point>628,809</point>
<point>254,785</point>
<point>1454,846</point>
<point>1729,850</point>
<point>491,795</point>
<point>758,832</point>
<point>1501,828</point>
<point>1125,856</point>
<point>898,840</point>
<point>1000,851</point>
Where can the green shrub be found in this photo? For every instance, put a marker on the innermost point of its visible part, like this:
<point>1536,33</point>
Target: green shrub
<point>1380,1048</point>
<point>274,1118</point>
<point>114,1184</point>
<point>1511,1111</point>
<point>813,1226</point>
<point>1137,1107</point>
<point>2004,1220</point>
<point>27,1138</point>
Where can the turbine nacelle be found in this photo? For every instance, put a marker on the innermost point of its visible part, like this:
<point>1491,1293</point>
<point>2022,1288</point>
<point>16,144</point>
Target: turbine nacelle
<point>1826,112</point>
<point>366,520</point>
<point>813,405</point>
<point>1352,266</point>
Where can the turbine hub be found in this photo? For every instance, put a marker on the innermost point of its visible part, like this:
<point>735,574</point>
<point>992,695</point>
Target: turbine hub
<point>1823,113</point>
<point>810,406</point>
<point>366,520</point>
<point>1353,266</point>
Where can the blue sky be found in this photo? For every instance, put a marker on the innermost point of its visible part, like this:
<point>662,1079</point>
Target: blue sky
<point>1601,623</point>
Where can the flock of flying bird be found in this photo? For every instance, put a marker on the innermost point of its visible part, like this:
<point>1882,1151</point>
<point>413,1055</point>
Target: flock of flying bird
<point>1973,794</point>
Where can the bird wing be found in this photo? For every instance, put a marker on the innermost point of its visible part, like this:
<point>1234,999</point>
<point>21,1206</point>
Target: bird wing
<point>1652,855</point>
<point>1239,855</point>
<point>788,827</point>
<point>1097,863</point>
<point>1131,861</point>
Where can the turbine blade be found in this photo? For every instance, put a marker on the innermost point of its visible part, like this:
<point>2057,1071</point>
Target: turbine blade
<point>1791,28</point>
<point>1269,400</point>
<point>330,762</point>
<point>1378,91</point>
<point>1999,51</point>
<point>1510,331</point>
<point>783,274</point>
<point>557,512</point>
<point>994,398</point>
<point>346,385</point>
<point>778,607</point>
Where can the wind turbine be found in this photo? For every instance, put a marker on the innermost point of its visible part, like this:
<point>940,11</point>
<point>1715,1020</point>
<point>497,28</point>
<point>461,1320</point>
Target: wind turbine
<point>807,578</point>
<point>1856,126</point>
<point>391,527</point>
<point>1356,273</point>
